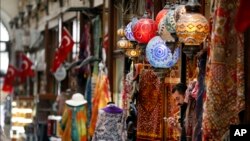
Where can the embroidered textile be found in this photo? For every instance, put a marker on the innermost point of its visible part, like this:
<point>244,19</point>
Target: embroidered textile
<point>225,84</point>
<point>149,105</point>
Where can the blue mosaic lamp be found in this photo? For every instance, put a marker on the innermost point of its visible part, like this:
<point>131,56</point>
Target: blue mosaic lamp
<point>159,55</point>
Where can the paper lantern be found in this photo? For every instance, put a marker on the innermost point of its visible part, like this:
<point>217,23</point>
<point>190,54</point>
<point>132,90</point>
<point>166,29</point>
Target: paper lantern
<point>144,30</point>
<point>159,55</point>
<point>192,29</point>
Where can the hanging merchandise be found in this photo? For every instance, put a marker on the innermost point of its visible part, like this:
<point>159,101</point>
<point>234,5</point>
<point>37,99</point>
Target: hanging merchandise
<point>149,106</point>
<point>242,21</point>
<point>111,124</point>
<point>129,29</point>
<point>225,81</point>
<point>159,55</point>
<point>100,98</point>
<point>144,29</point>
<point>74,119</point>
<point>161,14</point>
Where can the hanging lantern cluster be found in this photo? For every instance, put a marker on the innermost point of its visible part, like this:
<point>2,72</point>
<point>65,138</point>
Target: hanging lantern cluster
<point>175,24</point>
<point>123,43</point>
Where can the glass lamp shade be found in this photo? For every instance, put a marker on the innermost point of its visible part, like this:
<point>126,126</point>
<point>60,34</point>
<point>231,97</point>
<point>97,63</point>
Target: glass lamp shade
<point>180,10</point>
<point>159,55</point>
<point>121,32</point>
<point>133,52</point>
<point>128,30</point>
<point>170,21</point>
<point>192,29</point>
<point>144,30</point>
<point>160,15</point>
<point>163,32</point>
<point>123,43</point>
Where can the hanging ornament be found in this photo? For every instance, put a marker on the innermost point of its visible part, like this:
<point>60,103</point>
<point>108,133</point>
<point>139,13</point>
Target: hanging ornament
<point>123,43</point>
<point>121,32</point>
<point>159,55</point>
<point>180,10</point>
<point>192,28</point>
<point>128,30</point>
<point>144,29</point>
<point>162,13</point>
<point>170,21</point>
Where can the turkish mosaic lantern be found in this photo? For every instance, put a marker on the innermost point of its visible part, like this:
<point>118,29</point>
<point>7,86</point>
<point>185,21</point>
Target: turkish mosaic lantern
<point>159,55</point>
<point>128,30</point>
<point>144,30</point>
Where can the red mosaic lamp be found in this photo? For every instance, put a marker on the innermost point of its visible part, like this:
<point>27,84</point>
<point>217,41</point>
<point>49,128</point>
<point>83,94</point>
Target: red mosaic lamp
<point>144,30</point>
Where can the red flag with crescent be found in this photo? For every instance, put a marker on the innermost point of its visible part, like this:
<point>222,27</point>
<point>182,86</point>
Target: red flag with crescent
<point>9,79</point>
<point>62,52</point>
<point>26,65</point>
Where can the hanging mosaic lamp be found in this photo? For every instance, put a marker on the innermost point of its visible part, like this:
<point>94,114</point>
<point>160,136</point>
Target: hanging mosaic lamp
<point>121,32</point>
<point>128,30</point>
<point>123,43</point>
<point>162,13</point>
<point>180,10</point>
<point>192,28</point>
<point>170,22</point>
<point>132,53</point>
<point>159,55</point>
<point>144,30</point>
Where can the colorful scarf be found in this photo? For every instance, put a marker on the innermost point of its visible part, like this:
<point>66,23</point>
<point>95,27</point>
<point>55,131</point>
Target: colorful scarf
<point>225,84</point>
<point>73,123</point>
<point>100,100</point>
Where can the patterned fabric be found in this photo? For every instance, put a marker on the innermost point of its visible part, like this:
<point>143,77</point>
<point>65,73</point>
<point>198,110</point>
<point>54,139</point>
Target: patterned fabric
<point>100,100</point>
<point>149,105</point>
<point>225,84</point>
<point>110,127</point>
<point>73,124</point>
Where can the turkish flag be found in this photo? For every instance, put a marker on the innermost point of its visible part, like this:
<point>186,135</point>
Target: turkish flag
<point>26,70</point>
<point>62,52</point>
<point>9,79</point>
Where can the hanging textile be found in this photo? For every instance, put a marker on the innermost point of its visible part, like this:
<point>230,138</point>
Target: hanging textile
<point>225,84</point>
<point>111,125</point>
<point>97,33</point>
<point>200,94</point>
<point>88,95</point>
<point>73,123</point>
<point>242,21</point>
<point>100,100</point>
<point>149,105</point>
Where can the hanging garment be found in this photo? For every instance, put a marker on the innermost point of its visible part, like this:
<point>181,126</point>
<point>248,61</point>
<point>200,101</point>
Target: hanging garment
<point>111,125</point>
<point>100,100</point>
<point>149,105</point>
<point>73,123</point>
<point>225,84</point>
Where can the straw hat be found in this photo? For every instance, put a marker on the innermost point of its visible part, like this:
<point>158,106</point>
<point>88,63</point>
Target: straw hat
<point>76,100</point>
